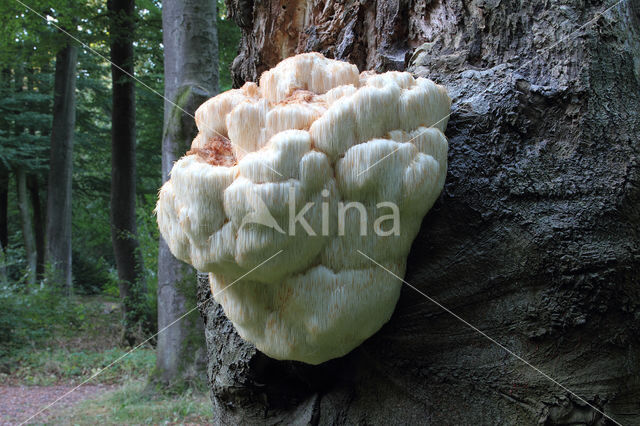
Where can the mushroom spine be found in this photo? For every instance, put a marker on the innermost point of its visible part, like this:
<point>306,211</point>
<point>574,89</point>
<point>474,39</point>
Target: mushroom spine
<point>292,166</point>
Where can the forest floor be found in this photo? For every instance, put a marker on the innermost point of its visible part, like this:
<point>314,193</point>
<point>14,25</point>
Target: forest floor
<point>19,403</point>
<point>38,375</point>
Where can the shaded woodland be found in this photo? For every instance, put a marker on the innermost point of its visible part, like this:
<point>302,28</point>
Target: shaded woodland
<point>81,160</point>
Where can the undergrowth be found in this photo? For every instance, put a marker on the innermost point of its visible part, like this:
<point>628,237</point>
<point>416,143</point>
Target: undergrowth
<point>133,403</point>
<point>47,367</point>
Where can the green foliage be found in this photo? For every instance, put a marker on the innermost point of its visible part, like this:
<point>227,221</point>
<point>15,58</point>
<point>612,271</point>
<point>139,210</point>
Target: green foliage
<point>31,315</point>
<point>28,46</point>
<point>91,276</point>
<point>13,262</point>
<point>25,103</point>
<point>228,41</point>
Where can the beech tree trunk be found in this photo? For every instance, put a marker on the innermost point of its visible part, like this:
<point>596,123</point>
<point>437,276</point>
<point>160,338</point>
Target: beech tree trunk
<point>5,78</point>
<point>58,230</point>
<point>33,185</point>
<point>124,233</point>
<point>4,205</point>
<point>27,225</point>
<point>534,239</point>
<point>191,76</point>
<point>21,192</point>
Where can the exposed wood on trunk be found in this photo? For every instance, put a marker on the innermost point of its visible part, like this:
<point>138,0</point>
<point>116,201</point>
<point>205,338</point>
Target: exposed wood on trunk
<point>58,229</point>
<point>124,234</point>
<point>191,77</point>
<point>534,239</point>
<point>374,35</point>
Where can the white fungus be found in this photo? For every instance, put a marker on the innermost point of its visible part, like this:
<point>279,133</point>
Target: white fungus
<point>312,164</point>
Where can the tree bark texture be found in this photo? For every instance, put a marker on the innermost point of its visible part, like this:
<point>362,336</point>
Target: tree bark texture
<point>191,76</point>
<point>124,233</point>
<point>5,78</point>
<point>21,192</point>
<point>33,185</point>
<point>27,225</point>
<point>534,239</point>
<point>4,206</point>
<point>58,234</point>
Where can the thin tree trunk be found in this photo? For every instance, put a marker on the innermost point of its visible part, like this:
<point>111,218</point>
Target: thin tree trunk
<point>191,76</point>
<point>21,191</point>
<point>4,204</point>
<point>27,225</point>
<point>124,234</point>
<point>33,185</point>
<point>534,239</point>
<point>5,78</point>
<point>58,229</point>
<point>3,266</point>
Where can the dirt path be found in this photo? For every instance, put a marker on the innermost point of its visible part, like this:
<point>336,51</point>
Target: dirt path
<point>18,403</point>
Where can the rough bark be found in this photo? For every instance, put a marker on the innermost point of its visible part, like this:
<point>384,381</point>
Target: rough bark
<point>33,185</point>
<point>124,232</point>
<point>534,239</point>
<point>28,237</point>
<point>191,76</point>
<point>58,230</point>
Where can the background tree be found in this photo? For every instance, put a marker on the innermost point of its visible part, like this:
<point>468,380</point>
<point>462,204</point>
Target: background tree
<point>24,133</point>
<point>21,185</point>
<point>191,76</point>
<point>123,165</point>
<point>58,231</point>
<point>27,225</point>
<point>533,240</point>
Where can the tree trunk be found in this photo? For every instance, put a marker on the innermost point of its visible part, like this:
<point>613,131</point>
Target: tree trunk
<point>191,76</point>
<point>124,234</point>
<point>534,239</point>
<point>33,185</point>
<point>21,192</point>
<point>5,78</point>
<point>4,206</point>
<point>27,225</point>
<point>58,230</point>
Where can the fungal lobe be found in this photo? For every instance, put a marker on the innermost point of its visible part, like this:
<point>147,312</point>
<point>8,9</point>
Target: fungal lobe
<point>270,200</point>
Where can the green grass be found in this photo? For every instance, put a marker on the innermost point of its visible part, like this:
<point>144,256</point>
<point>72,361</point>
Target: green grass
<point>51,366</point>
<point>81,340</point>
<point>133,403</point>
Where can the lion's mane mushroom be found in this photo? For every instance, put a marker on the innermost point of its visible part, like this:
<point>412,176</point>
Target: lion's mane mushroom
<point>314,131</point>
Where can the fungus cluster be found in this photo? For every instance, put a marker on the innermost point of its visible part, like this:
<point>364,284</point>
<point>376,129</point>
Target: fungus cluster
<point>292,167</point>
